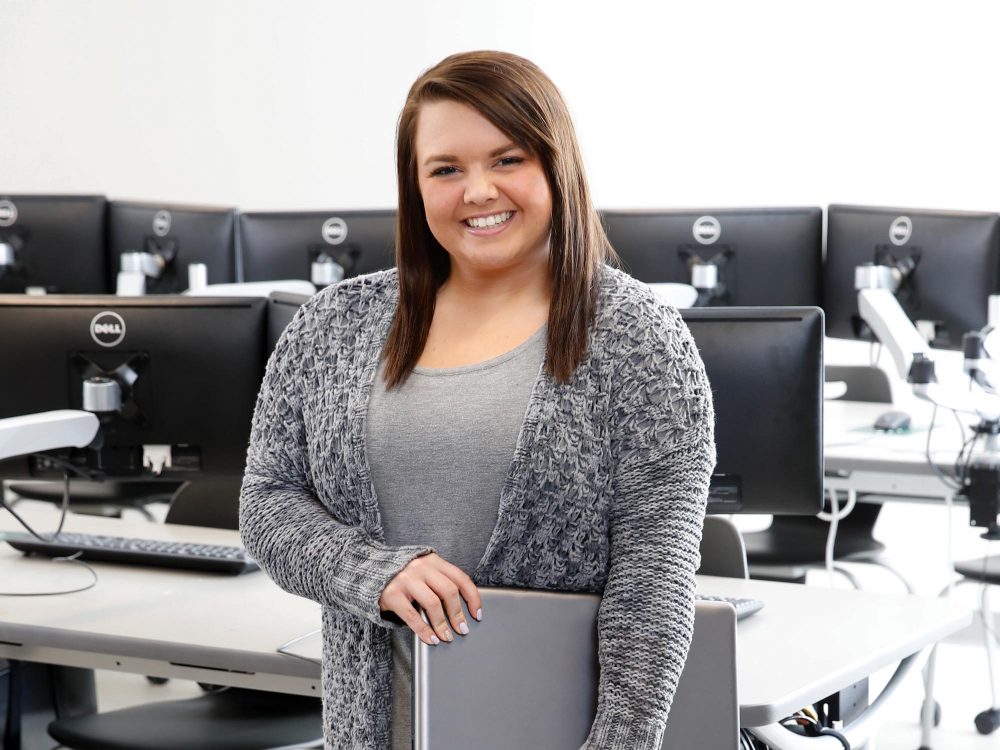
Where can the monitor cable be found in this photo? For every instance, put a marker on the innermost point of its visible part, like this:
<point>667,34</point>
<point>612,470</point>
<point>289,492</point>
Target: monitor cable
<point>807,725</point>
<point>67,468</point>
<point>857,733</point>
<point>833,517</point>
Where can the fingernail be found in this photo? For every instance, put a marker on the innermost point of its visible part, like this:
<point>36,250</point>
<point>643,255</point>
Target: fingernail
<point>435,640</point>
<point>463,628</point>
<point>479,614</point>
<point>448,636</point>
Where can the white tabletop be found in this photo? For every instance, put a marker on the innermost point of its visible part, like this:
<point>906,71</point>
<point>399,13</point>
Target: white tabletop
<point>889,463</point>
<point>152,620</point>
<point>804,645</point>
<point>810,642</point>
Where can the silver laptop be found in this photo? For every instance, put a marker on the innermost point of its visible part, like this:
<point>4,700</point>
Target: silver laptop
<point>527,677</point>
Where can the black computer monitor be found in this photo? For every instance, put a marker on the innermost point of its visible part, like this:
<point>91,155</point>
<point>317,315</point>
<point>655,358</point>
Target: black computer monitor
<point>53,243</point>
<point>762,256</point>
<point>285,244</point>
<point>179,235</point>
<point>189,369</point>
<point>955,260</point>
<point>765,366</point>
<point>281,308</point>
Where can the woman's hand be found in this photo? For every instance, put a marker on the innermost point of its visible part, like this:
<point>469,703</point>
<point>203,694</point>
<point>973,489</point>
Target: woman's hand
<point>438,587</point>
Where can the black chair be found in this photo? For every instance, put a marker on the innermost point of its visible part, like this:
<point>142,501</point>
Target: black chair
<point>791,545</point>
<point>224,719</point>
<point>722,550</point>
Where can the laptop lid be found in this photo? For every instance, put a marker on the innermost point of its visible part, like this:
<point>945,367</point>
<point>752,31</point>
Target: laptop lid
<point>527,675</point>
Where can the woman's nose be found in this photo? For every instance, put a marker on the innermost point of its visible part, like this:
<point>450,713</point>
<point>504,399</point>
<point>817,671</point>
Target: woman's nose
<point>480,188</point>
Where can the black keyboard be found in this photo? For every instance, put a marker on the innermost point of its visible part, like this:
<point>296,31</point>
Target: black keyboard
<point>744,607</point>
<point>216,558</point>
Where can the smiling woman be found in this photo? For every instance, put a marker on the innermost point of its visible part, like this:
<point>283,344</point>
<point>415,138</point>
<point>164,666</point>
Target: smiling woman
<point>486,199</point>
<point>503,410</point>
<point>488,202</point>
<point>480,134</point>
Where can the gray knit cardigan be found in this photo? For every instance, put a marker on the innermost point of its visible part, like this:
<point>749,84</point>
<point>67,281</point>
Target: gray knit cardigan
<point>606,493</point>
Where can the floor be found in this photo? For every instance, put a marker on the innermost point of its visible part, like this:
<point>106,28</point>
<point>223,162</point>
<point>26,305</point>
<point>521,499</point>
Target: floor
<point>916,539</point>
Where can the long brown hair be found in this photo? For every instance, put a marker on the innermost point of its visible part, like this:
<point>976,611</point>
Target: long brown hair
<point>521,101</point>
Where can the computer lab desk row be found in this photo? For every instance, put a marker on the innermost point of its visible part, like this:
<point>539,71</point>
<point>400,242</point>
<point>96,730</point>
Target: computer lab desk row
<point>888,465</point>
<point>806,644</point>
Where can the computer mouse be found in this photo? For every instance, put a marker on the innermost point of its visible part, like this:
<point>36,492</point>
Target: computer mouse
<point>893,421</point>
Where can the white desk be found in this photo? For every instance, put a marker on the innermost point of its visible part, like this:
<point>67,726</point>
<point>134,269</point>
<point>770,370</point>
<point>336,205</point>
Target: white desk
<point>809,642</point>
<point>195,626</point>
<point>858,457</point>
<point>803,646</point>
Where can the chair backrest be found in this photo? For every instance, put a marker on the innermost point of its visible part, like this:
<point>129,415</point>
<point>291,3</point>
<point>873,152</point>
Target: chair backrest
<point>863,383</point>
<point>207,502</point>
<point>722,550</point>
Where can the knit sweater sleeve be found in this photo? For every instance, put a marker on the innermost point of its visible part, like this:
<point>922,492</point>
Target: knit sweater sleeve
<point>283,525</point>
<point>664,441</point>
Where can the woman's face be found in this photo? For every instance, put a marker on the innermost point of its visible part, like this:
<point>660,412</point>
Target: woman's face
<point>487,200</point>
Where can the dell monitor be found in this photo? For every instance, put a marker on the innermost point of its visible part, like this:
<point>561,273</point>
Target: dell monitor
<point>53,244</point>
<point>173,380</point>
<point>765,367</point>
<point>318,246</point>
<point>161,241</point>
<point>747,257</point>
<point>949,263</point>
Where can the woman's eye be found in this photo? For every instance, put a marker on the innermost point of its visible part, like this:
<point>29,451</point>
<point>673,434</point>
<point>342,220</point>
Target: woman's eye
<point>508,161</point>
<point>442,171</point>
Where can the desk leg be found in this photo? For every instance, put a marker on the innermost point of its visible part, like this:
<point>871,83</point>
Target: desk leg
<point>40,693</point>
<point>927,714</point>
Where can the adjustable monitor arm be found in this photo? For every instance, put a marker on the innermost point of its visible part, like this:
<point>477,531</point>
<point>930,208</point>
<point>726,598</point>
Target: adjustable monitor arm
<point>911,355</point>
<point>135,269</point>
<point>45,431</point>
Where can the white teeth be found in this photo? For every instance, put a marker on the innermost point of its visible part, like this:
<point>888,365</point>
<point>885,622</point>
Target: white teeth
<point>481,222</point>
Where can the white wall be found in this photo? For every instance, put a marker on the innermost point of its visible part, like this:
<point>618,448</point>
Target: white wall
<point>293,105</point>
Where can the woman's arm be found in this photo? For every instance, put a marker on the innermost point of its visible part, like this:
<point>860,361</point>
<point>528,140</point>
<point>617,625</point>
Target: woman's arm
<point>666,455</point>
<point>284,527</point>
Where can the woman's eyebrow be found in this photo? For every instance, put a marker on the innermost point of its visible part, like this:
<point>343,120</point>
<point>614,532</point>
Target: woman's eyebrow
<point>451,157</point>
<point>441,157</point>
<point>504,149</point>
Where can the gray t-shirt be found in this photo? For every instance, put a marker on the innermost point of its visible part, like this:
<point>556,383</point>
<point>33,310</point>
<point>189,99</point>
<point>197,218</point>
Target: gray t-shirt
<point>440,447</point>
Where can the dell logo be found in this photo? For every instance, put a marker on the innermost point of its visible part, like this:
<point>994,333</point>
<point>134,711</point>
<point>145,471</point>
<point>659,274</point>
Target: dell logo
<point>107,328</point>
<point>334,230</point>
<point>8,213</point>
<point>161,223</point>
<point>707,230</point>
<point>900,231</point>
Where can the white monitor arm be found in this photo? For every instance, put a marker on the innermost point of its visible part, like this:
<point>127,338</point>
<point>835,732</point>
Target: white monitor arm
<point>33,433</point>
<point>910,353</point>
<point>982,354</point>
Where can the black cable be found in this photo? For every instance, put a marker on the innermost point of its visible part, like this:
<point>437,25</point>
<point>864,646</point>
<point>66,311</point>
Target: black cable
<point>72,559</point>
<point>968,458</point>
<point>827,732</point>
<point>948,481</point>
<point>62,515</point>
<point>68,468</point>
<point>962,461</point>
<point>812,728</point>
